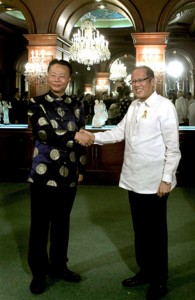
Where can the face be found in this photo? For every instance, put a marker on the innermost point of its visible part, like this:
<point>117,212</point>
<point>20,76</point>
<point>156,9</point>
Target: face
<point>58,79</point>
<point>143,89</point>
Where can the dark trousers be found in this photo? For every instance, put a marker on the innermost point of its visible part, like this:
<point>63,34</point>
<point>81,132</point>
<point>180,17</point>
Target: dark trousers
<point>50,213</point>
<point>149,215</point>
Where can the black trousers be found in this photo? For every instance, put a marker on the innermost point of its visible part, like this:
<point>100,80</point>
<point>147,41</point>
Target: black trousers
<point>50,213</point>
<point>149,215</point>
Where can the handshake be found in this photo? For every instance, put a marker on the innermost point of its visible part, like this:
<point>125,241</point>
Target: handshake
<point>84,138</point>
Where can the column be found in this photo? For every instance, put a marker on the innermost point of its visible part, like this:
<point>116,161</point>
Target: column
<point>49,45</point>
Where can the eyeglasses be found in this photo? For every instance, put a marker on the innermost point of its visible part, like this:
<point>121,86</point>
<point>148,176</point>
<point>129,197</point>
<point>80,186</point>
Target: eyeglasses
<point>138,80</point>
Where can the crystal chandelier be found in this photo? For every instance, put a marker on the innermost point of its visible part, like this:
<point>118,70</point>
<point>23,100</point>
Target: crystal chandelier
<point>118,71</point>
<point>89,46</point>
<point>36,70</point>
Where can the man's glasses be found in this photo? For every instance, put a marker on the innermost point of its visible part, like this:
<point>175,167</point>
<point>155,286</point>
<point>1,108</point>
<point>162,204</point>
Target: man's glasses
<point>138,80</point>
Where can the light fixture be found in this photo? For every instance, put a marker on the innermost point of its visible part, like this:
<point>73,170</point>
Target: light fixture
<point>102,85</point>
<point>89,46</point>
<point>101,5</point>
<point>6,7</point>
<point>153,58</point>
<point>36,70</point>
<point>118,71</point>
<point>174,69</point>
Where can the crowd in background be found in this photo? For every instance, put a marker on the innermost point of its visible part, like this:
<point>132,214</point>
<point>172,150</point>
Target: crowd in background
<point>185,107</point>
<point>117,106</point>
<point>14,109</point>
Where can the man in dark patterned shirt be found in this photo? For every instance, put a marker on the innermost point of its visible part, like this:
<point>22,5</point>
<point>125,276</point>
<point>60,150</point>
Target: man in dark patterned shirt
<point>57,167</point>
<point>124,104</point>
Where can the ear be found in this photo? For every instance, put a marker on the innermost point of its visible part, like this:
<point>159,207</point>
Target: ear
<point>154,81</point>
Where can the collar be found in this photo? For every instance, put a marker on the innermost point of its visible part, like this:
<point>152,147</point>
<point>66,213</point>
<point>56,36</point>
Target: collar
<point>150,100</point>
<point>51,97</point>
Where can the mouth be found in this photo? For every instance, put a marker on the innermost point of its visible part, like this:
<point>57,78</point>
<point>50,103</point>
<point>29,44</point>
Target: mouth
<point>138,90</point>
<point>56,86</point>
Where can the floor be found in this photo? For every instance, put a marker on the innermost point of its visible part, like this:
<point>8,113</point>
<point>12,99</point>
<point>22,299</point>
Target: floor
<point>101,245</point>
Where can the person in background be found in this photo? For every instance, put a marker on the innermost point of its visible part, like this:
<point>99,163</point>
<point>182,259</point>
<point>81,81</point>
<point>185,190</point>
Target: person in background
<point>1,108</point>
<point>181,105</point>
<point>57,167</point>
<point>124,103</point>
<point>23,117</point>
<point>14,113</point>
<point>191,114</point>
<point>151,157</point>
<point>6,108</point>
<point>114,114</point>
<point>88,108</point>
<point>190,98</point>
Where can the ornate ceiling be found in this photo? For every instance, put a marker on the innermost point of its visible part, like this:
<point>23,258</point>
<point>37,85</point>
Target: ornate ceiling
<point>182,22</point>
<point>179,21</point>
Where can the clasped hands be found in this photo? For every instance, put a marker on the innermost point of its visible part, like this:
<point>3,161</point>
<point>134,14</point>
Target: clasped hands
<point>84,138</point>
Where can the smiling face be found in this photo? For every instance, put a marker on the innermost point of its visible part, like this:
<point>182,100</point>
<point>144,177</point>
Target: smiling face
<point>58,79</point>
<point>143,85</point>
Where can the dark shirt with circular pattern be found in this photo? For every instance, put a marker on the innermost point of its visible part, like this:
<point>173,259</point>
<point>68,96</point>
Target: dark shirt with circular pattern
<point>57,158</point>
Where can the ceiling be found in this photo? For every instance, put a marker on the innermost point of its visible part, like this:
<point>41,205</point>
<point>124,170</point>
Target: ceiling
<point>182,22</point>
<point>106,18</point>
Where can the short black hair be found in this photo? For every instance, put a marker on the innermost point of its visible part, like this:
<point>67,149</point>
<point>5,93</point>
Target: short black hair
<point>149,71</point>
<point>60,62</point>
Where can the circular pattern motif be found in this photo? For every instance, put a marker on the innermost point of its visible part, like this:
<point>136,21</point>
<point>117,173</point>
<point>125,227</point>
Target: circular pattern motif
<point>70,144</point>
<point>54,154</point>
<point>71,126</point>
<point>35,152</point>
<point>52,183</point>
<point>64,171</point>
<point>72,157</point>
<point>42,134</point>
<point>41,169</point>
<point>42,121</point>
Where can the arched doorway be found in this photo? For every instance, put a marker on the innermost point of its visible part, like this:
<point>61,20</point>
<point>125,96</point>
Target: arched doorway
<point>183,81</point>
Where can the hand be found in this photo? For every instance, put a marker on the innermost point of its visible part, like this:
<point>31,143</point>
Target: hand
<point>84,138</point>
<point>163,189</point>
<point>80,178</point>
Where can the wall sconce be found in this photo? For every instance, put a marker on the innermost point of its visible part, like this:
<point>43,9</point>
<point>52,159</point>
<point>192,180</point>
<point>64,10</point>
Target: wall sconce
<point>36,69</point>
<point>102,85</point>
<point>88,88</point>
<point>153,58</point>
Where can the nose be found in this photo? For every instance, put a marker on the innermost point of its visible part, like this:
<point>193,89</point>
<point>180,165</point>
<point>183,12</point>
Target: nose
<point>56,78</point>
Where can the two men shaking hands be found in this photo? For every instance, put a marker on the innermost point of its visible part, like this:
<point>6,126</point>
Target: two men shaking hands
<point>84,138</point>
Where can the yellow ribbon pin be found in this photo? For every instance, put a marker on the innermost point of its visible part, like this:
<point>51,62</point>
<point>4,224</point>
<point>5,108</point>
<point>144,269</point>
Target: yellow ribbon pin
<point>144,114</point>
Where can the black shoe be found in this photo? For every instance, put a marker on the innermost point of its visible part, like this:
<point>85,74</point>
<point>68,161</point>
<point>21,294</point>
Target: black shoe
<point>66,275</point>
<point>134,281</point>
<point>71,276</point>
<point>37,286</point>
<point>156,291</point>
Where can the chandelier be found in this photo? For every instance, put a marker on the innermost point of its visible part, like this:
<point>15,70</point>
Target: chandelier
<point>36,70</point>
<point>118,71</point>
<point>89,47</point>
